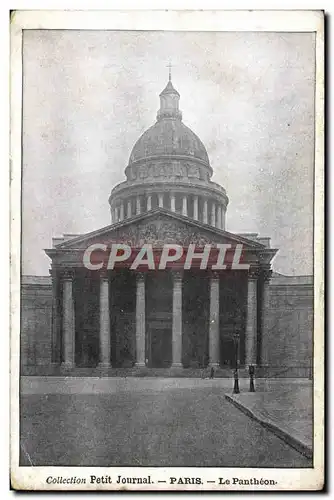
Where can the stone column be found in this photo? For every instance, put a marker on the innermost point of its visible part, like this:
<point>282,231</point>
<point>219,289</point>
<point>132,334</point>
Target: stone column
<point>115,214</point>
<point>55,332</point>
<point>205,211</point>
<point>121,212</point>
<point>251,325</point>
<point>68,321</point>
<point>184,206</point>
<point>149,202</point>
<point>111,215</point>
<point>140,319</point>
<point>137,205</point>
<point>213,214</point>
<point>196,207</point>
<point>161,200</point>
<point>219,217</point>
<point>265,316</point>
<point>177,320</point>
<point>172,202</point>
<point>129,209</point>
<point>104,321</point>
<point>214,344</point>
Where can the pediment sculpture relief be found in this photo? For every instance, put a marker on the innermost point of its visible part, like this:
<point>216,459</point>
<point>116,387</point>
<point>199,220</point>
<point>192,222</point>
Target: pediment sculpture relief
<point>158,233</point>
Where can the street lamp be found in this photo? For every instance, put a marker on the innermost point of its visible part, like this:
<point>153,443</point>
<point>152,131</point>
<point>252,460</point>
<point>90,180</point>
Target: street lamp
<point>236,389</point>
<point>251,381</point>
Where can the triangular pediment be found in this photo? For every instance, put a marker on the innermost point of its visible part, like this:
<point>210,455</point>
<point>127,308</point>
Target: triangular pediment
<point>158,227</point>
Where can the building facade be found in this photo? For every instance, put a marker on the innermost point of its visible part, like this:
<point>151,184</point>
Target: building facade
<point>175,318</point>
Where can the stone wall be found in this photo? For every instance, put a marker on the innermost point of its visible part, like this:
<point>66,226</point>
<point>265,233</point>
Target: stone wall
<point>290,326</point>
<point>36,319</point>
<point>288,340</point>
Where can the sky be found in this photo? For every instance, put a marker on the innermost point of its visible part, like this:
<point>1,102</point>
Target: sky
<point>89,95</point>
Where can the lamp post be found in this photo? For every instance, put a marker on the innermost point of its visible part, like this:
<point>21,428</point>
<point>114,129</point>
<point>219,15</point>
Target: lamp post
<point>236,389</point>
<point>251,379</point>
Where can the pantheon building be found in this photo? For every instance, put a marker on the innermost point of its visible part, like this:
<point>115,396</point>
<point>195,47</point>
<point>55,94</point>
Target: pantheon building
<point>174,320</point>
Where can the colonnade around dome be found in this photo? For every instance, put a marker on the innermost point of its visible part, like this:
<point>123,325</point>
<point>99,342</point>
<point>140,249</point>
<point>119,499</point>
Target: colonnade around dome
<point>196,207</point>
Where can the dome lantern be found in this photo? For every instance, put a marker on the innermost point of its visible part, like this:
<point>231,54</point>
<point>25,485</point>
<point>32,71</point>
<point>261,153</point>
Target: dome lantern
<point>169,136</point>
<point>169,102</point>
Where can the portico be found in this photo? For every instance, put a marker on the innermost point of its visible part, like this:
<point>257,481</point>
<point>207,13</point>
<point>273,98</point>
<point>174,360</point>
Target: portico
<point>156,319</point>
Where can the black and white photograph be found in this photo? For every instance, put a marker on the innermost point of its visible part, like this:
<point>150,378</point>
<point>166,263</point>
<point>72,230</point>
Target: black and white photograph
<point>167,331</point>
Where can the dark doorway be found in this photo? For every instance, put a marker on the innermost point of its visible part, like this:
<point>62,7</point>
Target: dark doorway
<point>86,291</point>
<point>160,346</point>
<point>122,300</point>
<point>159,289</point>
<point>233,309</point>
<point>195,319</point>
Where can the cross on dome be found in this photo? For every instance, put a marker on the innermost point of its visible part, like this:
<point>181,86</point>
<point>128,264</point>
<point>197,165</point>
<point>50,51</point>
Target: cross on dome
<point>169,66</point>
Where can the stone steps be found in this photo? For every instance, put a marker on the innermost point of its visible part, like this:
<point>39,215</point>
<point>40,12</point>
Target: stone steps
<point>261,372</point>
<point>127,372</point>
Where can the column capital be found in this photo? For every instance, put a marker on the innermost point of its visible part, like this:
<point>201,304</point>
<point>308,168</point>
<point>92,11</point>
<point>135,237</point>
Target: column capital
<point>253,273</point>
<point>67,275</point>
<point>177,276</point>
<point>53,272</point>
<point>104,274</point>
<point>267,273</point>
<point>140,277</point>
<point>214,275</point>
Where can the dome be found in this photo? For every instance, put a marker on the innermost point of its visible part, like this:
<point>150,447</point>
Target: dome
<point>169,136</point>
<point>169,169</point>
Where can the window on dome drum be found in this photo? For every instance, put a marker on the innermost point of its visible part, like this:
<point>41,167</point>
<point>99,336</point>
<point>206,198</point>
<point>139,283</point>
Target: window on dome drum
<point>155,201</point>
<point>200,208</point>
<point>167,202</point>
<point>142,202</point>
<point>133,206</point>
<point>191,206</point>
<point>161,200</point>
<point>126,211</point>
<point>178,203</point>
<point>217,212</point>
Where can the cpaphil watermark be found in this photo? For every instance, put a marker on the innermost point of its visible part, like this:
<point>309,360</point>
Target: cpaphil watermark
<point>119,255</point>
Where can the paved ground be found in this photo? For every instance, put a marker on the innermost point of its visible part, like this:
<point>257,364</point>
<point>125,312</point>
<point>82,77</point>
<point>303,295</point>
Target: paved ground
<point>286,409</point>
<point>96,385</point>
<point>159,423</point>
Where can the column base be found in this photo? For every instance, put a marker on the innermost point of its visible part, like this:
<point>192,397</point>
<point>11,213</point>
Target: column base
<point>177,365</point>
<point>140,365</point>
<point>104,365</point>
<point>68,365</point>
<point>213,365</point>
